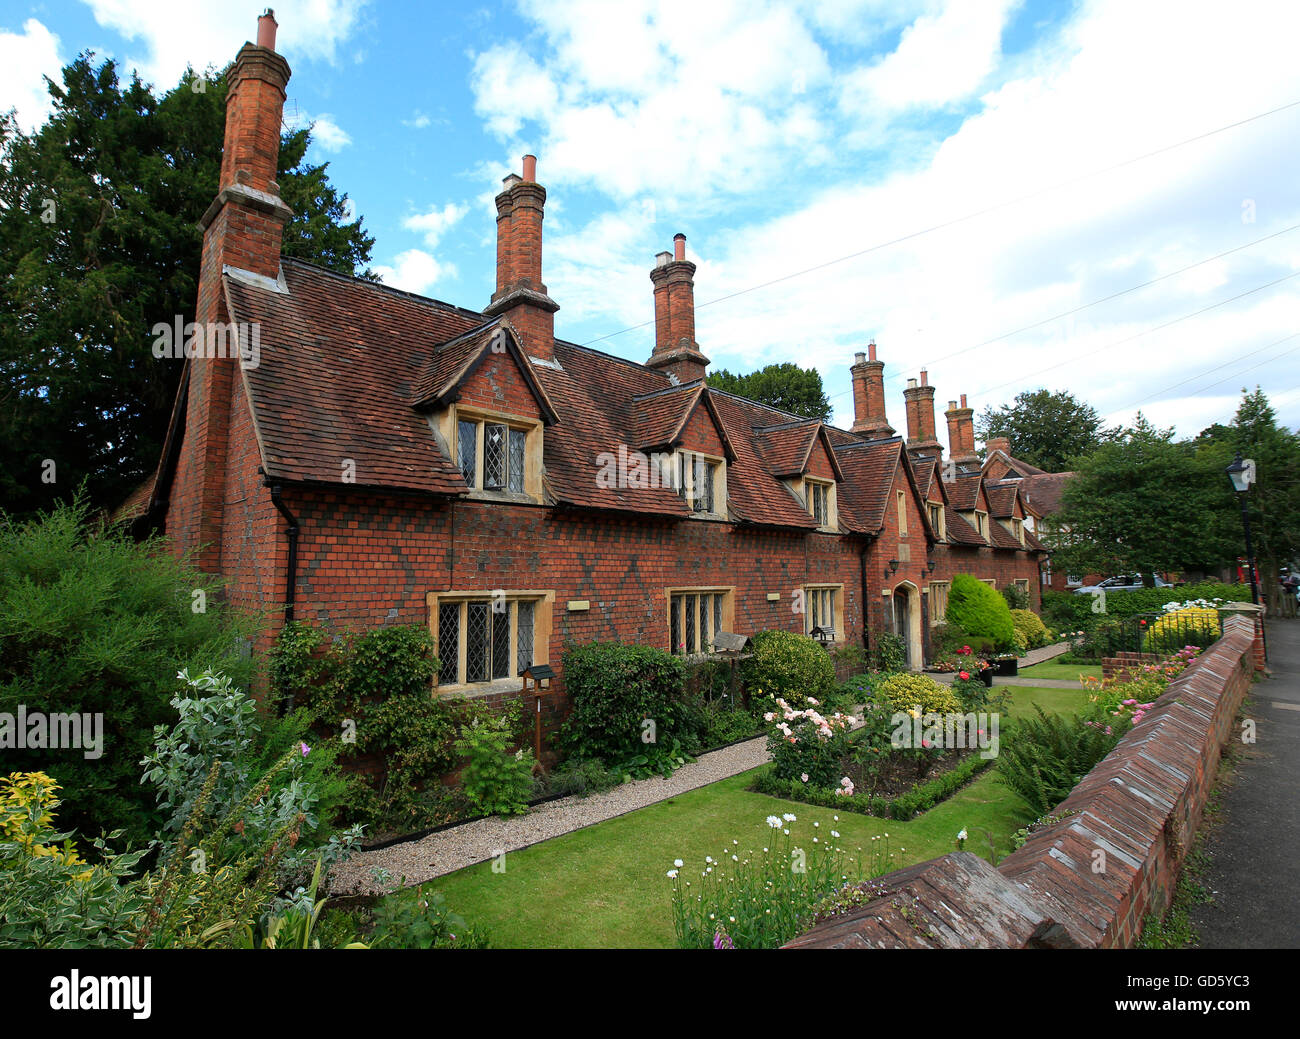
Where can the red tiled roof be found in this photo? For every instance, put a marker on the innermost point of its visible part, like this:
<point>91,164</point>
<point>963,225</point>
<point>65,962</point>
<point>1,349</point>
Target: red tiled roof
<point>1002,499</point>
<point>959,530</point>
<point>964,492</point>
<point>1042,492</point>
<point>868,467</point>
<point>786,447</point>
<point>348,369</point>
<point>340,362</point>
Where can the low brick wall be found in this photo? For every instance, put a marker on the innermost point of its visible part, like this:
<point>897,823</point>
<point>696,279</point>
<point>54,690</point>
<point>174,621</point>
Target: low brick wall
<point>1126,661</point>
<point>1089,880</point>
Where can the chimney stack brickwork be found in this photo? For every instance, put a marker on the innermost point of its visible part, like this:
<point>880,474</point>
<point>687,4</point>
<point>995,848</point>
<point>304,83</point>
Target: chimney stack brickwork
<point>521,296</point>
<point>242,228</point>
<point>919,405</point>
<point>961,432</point>
<point>675,349</point>
<point>998,444</point>
<point>869,419</point>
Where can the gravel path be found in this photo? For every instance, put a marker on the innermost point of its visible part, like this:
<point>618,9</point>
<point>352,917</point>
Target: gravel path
<point>483,839</point>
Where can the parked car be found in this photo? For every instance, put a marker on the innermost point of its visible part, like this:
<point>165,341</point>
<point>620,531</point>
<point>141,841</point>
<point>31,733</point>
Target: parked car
<point>1122,583</point>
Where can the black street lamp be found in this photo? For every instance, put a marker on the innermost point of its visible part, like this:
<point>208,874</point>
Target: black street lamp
<point>1242,476</point>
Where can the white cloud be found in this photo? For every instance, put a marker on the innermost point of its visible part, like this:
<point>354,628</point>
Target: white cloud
<point>435,222</point>
<point>174,35</point>
<point>25,58</point>
<point>941,58</point>
<point>686,99</point>
<point>327,135</point>
<point>1115,81</point>
<point>414,271</point>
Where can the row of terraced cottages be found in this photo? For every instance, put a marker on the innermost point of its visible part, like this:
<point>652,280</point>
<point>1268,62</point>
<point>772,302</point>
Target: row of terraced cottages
<point>383,458</point>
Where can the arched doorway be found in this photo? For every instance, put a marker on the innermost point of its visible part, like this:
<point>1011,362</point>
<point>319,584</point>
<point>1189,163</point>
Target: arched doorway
<point>907,622</point>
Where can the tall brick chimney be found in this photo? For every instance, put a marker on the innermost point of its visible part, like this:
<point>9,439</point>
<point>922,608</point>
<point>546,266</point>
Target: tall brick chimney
<point>997,444</point>
<point>520,295</point>
<point>676,350</point>
<point>869,419</point>
<point>242,229</point>
<point>961,433</point>
<point>919,403</point>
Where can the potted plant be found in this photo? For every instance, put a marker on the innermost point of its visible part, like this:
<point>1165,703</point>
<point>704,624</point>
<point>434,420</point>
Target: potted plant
<point>1008,665</point>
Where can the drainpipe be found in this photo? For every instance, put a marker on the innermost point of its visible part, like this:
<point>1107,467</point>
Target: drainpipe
<point>862,567</point>
<point>291,578</point>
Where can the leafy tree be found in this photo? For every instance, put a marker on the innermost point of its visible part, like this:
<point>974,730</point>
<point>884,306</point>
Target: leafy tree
<point>94,623</point>
<point>1046,429</point>
<point>1272,501</point>
<point>1142,503</point>
<point>98,243</point>
<point>785,386</point>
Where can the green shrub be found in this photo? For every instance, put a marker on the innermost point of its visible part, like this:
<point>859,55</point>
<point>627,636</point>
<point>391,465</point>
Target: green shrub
<point>1017,598</point>
<point>979,610</point>
<point>1066,611</point>
<point>1043,758</point>
<point>623,701</point>
<point>49,897</point>
<point>891,653</point>
<point>421,920</point>
<point>216,752</point>
<point>495,779</point>
<point>788,665</point>
<point>577,777</point>
<point>1030,627</point>
<point>372,695</point>
<point>93,623</point>
<point>903,692</point>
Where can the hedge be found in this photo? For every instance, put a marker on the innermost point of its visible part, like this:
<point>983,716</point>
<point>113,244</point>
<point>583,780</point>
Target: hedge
<point>906,805</point>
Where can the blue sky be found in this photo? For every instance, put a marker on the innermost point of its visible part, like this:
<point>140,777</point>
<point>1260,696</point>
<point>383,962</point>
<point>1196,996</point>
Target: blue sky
<point>779,136</point>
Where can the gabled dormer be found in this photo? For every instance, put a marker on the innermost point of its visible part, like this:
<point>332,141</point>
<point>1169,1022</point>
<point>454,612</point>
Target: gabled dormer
<point>680,429</point>
<point>488,412</point>
<point>801,456</point>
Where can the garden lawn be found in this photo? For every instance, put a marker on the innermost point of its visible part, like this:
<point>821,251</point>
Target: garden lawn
<point>1053,701</point>
<point>606,886</point>
<point>1053,669</point>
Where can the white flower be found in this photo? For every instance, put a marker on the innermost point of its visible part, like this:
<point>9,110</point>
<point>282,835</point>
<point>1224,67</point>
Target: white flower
<point>788,817</point>
<point>773,822</point>
<point>835,833</point>
<point>678,863</point>
<point>672,874</point>
<point>803,776</point>
<point>962,836</point>
<point>708,858</point>
<point>816,826</point>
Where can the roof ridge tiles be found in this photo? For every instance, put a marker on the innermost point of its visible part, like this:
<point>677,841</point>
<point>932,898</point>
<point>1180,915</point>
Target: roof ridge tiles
<point>366,283</point>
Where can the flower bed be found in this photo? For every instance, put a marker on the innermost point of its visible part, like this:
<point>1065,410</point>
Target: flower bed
<point>900,761</point>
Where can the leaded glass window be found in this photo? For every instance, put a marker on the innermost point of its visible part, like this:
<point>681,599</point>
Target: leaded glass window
<point>467,435</point>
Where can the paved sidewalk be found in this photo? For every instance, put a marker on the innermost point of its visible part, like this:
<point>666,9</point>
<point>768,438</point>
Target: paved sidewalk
<point>1255,844</point>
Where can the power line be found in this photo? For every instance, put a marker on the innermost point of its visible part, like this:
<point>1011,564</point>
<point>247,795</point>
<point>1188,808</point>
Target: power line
<point>1218,367</point>
<point>1105,299</point>
<point>1139,335</point>
<point>969,216</point>
<point>1086,306</point>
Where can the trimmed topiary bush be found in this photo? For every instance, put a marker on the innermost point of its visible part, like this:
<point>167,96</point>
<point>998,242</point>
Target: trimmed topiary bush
<point>788,665</point>
<point>904,692</point>
<point>975,607</point>
<point>1028,624</point>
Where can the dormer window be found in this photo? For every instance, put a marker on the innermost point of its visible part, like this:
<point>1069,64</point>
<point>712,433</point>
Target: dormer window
<point>496,454</point>
<point>820,497</point>
<point>936,520</point>
<point>701,482</point>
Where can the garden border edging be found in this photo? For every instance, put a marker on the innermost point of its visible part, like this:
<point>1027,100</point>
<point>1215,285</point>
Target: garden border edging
<point>1089,880</point>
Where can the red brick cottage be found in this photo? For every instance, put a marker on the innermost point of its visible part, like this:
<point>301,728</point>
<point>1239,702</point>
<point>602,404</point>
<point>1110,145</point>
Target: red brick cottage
<point>382,458</point>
